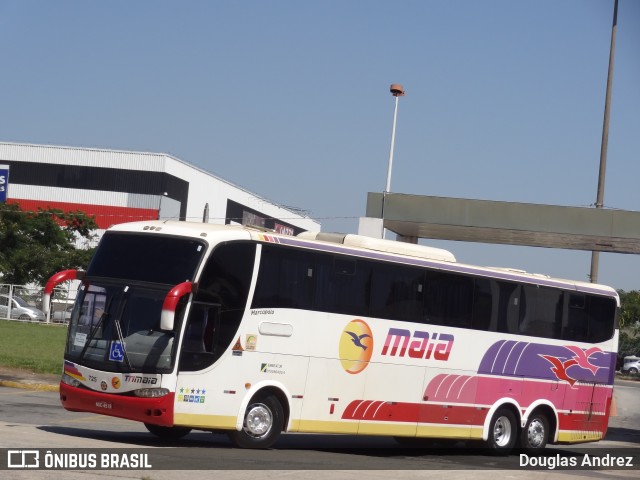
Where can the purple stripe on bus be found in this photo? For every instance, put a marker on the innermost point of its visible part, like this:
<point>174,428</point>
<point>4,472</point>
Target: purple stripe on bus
<point>549,362</point>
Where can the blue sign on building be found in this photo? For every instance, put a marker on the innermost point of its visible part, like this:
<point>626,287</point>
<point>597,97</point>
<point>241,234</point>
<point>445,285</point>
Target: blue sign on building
<point>4,182</point>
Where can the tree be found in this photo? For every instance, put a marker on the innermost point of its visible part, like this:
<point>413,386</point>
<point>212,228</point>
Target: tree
<point>628,345</point>
<point>35,245</point>
<point>630,310</point>
<point>629,341</point>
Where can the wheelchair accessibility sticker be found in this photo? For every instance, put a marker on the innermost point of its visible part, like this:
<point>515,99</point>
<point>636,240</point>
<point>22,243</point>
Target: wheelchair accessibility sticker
<point>116,352</point>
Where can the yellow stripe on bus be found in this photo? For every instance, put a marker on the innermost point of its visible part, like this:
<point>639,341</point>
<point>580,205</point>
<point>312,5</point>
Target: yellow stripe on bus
<point>322,426</point>
<point>205,421</point>
<point>385,428</point>
<point>449,431</point>
<point>576,436</point>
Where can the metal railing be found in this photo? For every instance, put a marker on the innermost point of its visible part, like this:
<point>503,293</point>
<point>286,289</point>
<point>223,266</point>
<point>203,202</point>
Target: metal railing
<point>24,303</point>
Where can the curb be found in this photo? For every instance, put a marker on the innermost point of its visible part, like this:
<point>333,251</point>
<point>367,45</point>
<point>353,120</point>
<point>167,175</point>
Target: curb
<point>40,387</point>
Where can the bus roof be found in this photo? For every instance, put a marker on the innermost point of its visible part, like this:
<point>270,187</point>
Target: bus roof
<point>186,229</point>
<point>380,245</point>
<point>362,246</point>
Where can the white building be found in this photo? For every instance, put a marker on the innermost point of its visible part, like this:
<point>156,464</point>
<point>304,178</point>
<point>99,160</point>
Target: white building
<point>120,186</point>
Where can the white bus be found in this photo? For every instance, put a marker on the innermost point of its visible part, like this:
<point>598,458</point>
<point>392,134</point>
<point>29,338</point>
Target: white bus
<point>218,328</point>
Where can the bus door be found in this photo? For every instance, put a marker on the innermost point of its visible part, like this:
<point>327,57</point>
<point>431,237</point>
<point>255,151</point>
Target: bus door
<point>588,407</point>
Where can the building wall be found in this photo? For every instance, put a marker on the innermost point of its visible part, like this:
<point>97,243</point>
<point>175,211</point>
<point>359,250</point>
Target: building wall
<point>118,186</point>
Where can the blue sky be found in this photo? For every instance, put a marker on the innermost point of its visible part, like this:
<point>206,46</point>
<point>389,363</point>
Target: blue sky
<point>290,99</point>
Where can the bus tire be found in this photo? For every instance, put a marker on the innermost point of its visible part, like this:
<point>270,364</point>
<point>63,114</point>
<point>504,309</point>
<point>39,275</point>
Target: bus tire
<point>262,424</point>
<point>535,433</point>
<point>503,432</point>
<point>167,433</point>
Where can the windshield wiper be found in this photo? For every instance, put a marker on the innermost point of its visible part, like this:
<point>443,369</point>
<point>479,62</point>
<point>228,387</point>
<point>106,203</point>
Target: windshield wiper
<point>119,332</point>
<point>95,327</point>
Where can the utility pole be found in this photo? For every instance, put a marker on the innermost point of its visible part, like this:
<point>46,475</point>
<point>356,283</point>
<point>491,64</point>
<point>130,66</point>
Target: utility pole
<point>595,256</point>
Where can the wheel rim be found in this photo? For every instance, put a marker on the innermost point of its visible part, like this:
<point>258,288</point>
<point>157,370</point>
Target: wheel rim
<point>536,433</point>
<point>502,432</point>
<point>258,420</point>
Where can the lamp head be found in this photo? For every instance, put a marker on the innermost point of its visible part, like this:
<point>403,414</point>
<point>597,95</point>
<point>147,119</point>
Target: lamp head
<point>396,90</point>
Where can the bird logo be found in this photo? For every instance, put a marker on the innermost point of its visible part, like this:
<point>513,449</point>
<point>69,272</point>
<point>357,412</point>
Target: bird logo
<point>357,339</point>
<point>560,368</point>
<point>582,357</point>
<point>355,346</point>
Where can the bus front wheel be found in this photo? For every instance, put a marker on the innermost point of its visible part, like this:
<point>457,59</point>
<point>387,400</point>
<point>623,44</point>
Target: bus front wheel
<point>262,424</point>
<point>503,432</point>
<point>167,433</point>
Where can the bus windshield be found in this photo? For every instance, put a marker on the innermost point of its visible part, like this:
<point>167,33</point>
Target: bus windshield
<point>115,325</point>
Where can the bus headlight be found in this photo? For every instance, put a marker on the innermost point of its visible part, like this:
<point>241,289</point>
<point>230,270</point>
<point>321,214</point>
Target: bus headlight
<point>69,380</point>
<point>151,392</point>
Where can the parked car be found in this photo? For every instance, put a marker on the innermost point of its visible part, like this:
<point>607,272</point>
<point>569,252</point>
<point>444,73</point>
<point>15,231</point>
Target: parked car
<point>631,365</point>
<point>62,316</point>
<point>20,310</point>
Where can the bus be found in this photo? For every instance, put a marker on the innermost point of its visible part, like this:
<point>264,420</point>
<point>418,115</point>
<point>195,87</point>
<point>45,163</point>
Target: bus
<point>231,329</point>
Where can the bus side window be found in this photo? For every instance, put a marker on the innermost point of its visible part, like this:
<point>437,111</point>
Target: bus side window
<point>541,311</point>
<point>482,304</point>
<point>396,292</point>
<point>600,312</point>
<point>199,346</point>
<point>351,286</point>
<point>508,307</point>
<point>576,327</point>
<point>285,279</point>
<point>448,299</point>
<point>198,337</point>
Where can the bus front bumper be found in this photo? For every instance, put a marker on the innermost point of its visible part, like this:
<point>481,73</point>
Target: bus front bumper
<point>158,411</point>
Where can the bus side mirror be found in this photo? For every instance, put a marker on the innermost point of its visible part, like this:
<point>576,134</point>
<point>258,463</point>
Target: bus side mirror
<point>55,280</point>
<point>168,315</point>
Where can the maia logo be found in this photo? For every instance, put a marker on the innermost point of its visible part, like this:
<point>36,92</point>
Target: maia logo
<point>356,346</point>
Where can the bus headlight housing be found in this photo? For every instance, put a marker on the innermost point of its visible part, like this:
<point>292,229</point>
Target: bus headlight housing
<point>69,380</point>
<point>151,392</point>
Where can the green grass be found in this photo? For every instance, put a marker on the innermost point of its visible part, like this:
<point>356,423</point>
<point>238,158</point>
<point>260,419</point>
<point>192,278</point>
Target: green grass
<point>32,346</point>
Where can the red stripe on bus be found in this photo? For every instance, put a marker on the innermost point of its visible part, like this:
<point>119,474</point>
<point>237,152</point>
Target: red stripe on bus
<point>381,411</point>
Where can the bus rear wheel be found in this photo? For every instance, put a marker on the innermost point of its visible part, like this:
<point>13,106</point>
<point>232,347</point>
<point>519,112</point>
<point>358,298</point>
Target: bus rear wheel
<point>262,424</point>
<point>503,432</point>
<point>167,433</point>
<point>535,433</point>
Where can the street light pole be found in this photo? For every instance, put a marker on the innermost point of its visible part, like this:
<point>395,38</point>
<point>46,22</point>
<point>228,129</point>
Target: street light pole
<point>397,91</point>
